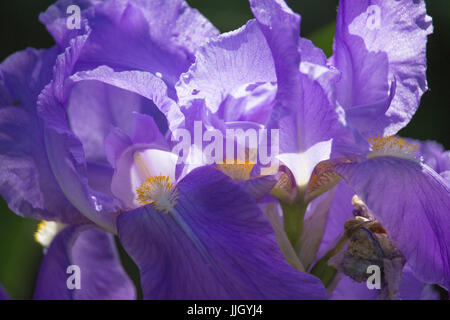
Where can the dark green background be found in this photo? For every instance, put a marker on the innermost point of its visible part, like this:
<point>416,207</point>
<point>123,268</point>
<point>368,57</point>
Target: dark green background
<point>20,28</point>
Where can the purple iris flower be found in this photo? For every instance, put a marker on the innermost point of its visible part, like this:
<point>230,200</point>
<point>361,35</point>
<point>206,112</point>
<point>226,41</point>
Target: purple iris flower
<point>379,52</point>
<point>85,147</point>
<point>87,143</point>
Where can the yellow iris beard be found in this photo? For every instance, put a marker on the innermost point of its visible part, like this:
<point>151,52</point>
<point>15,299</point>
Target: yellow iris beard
<point>158,191</point>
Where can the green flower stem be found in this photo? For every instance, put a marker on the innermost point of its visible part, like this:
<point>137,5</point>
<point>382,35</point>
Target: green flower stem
<point>322,270</point>
<point>293,215</point>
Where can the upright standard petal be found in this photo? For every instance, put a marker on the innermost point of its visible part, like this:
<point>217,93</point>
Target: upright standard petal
<point>214,244</point>
<point>154,36</point>
<point>26,180</point>
<point>412,203</point>
<point>82,263</point>
<point>302,111</point>
<point>232,60</point>
<point>379,44</point>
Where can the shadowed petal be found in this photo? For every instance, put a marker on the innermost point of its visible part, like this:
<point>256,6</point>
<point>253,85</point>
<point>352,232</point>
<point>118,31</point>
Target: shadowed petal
<point>65,151</point>
<point>27,181</point>
<point>215,244</point>
<point>259,187</point>
<point>340,210</point>
<point>93,251</point>
<point>144,84</point>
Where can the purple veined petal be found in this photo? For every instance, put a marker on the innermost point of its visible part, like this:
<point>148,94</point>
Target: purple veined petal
<point>281,28</point>
<point>94,107</point>
<point>410,288</point>
<point>134,35</point>
<point>55,20</point>
<point>145,130</point>
<point>142,83</point>
<point>310,53</point>
<point>249,102</point>
<point>69,166</point>
<point>27,181</point>
<point>364,81</point>
<point>216,244</point>
<point>99,177</point>
<point>412,202</point>
<point>376,43</point>
<point>259,187</point>
<point>314,230</point>
<point>368,119</point>
<point>65,151</point>
<point>93,251</point>
<point>3,294</point>
<point>340,210</point>
<point>116,142</point>
<point>234,59</point>
<point>128,177</point>
<point>304,114</point>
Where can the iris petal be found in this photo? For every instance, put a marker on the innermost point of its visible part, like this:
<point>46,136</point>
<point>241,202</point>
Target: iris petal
<point>93,251</point>
<point>216,244</point>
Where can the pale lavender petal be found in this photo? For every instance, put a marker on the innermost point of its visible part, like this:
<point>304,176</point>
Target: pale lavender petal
<point>377,43</point>
<point>234,59</point>
<point>252,102</point>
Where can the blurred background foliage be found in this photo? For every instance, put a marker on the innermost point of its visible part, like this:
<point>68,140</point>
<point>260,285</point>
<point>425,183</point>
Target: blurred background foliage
<point>20,256</point>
